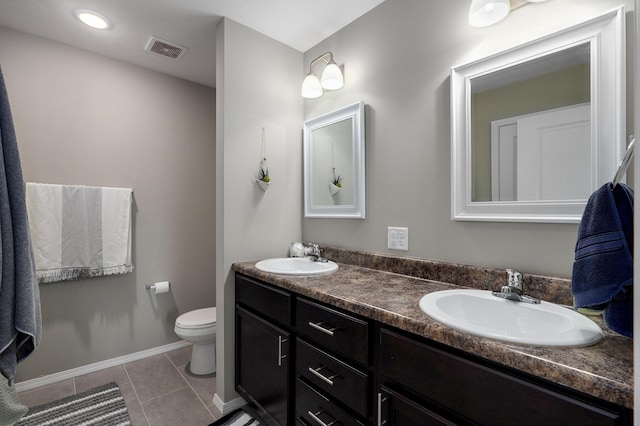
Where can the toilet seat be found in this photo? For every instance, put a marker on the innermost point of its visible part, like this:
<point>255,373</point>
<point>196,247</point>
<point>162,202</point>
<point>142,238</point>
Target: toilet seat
<point>200,318</point>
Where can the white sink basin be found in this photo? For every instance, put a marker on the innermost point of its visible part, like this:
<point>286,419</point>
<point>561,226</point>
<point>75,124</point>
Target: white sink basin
<point>296,266</point>
<point>480,313</point>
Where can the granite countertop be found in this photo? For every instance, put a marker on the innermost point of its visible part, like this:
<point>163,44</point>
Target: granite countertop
<point>604,370</point>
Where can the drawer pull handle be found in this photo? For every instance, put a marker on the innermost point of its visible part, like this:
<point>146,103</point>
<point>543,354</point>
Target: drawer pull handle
<point>319,326</point>
<point>281,340</point>
<point>381,400</point>
<point>327,379</point>
<point>317,419</point>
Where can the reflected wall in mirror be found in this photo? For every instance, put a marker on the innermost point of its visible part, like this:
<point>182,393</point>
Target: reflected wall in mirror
<point>334,164</point>
<point>537,128</point>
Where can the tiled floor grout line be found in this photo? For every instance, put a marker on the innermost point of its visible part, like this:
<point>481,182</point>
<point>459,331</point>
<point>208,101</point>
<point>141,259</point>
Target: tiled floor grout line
<point>166,393</point>
<point>198,396</point>
<point>124,367</point>
<point>186,371</point>
<point>191,387</point>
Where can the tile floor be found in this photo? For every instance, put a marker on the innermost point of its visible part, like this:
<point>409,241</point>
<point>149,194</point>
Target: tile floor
<point>158,390</point>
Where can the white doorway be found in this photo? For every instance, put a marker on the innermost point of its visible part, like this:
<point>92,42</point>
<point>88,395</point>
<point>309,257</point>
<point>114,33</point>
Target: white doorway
<point>542,156</point>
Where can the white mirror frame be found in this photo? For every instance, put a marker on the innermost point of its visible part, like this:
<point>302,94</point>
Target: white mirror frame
<point>606,36</point>
<point>356,210</point>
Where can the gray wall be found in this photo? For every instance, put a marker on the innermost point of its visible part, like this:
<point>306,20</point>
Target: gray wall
<point>257,87</point>
<point>397,59</point>
<point>86,119</point>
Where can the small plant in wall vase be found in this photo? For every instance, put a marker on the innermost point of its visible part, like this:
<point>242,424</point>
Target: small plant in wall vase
<point>264,179</point>
<point>336,185</point>
<point>263,175</point>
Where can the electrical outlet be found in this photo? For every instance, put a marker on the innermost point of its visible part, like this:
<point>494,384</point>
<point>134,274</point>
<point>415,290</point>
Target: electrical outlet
<point>398,238</point>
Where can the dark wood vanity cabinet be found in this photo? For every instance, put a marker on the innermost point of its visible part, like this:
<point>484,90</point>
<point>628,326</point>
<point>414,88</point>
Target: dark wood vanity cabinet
<point>422,384</point>
<point>264,348</point>
<point>305,363</point>
<point>301,362</point>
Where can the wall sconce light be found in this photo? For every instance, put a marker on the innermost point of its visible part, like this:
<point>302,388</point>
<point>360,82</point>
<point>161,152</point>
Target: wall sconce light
<point>483,13</point>
<point>331,78</point>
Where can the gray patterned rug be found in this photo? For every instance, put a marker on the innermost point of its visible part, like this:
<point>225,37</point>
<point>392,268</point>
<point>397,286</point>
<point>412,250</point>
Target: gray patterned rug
<point>101,406</point>
<point>239,417</point>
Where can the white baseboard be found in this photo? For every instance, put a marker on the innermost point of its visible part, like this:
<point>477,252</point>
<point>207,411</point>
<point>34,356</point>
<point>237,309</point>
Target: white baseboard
<point>229,406</point>
<point>90,368</point>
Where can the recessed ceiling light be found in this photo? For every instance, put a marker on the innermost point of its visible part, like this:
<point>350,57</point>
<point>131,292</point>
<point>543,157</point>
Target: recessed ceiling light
<point>92,19</point>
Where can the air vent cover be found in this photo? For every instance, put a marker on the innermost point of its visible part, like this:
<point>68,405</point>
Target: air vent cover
<point>165,48</point>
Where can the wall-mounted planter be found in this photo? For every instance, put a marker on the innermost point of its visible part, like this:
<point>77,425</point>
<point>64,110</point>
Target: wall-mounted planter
<point>263,185</point>
<point>334,189</point>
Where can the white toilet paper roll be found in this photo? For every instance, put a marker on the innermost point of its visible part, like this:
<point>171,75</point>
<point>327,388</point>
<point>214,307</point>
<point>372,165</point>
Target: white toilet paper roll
<point>161,287</point>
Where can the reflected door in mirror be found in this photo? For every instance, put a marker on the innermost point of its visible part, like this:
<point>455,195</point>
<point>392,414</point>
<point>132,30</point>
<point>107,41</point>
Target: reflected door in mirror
<point>542,156</point>
<point>332,164</point>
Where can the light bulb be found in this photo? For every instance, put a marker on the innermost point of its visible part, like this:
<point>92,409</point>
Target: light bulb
<point>311,87</point>
<point>483,13</point>
<point>332,77</point>
<point>92,19</point>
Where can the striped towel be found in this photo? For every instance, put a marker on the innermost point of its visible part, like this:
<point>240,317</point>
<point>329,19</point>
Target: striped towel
<point>79,231</point>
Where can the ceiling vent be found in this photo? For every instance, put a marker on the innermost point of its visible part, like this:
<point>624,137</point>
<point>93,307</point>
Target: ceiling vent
<point>165,48</point>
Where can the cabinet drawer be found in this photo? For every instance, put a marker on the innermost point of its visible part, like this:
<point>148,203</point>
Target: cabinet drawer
<point>477,392</point>
<point>397,410</point>
<point>315,409</point>
<point>271,302</point>
<point>339,380</point>
<point>337,332</point>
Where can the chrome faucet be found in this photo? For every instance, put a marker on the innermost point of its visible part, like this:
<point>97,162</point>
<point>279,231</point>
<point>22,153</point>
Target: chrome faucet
<point>514,290</point>
<point>315,253</point>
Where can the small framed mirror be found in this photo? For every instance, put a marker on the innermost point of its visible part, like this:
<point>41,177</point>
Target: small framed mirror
<point>334,164</point>
<point>537,128</point>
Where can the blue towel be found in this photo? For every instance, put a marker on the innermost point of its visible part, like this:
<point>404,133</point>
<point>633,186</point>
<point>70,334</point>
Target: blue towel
<point>20,321</point>
<point>603,268</point>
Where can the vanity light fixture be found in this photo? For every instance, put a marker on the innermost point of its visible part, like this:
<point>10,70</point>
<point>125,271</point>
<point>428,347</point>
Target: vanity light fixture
<point>93,19</point>
<point>483,13</point>
<point>331,78</point>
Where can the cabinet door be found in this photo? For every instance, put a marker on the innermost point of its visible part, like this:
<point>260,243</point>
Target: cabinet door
<point>262,364</point>
<point>478,392</point>
<point>396,410</point>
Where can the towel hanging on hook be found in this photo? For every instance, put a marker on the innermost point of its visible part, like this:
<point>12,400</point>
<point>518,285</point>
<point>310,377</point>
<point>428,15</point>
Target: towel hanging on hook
<point>624,164</point>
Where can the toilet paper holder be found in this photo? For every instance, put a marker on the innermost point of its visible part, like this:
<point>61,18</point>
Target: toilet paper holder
<point>153,286</point>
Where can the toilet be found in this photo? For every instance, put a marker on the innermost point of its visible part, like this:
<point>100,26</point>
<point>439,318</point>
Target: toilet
<point>199,328</point>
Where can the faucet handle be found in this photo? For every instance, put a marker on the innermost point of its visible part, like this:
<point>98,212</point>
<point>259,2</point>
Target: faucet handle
<point>313,249</point>
<point>514,278</point>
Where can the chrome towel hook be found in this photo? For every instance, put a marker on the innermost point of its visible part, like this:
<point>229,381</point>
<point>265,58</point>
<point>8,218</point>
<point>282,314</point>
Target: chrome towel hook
<point>624,164</point>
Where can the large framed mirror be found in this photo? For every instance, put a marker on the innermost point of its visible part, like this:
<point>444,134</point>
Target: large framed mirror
<point>537,128</point>
<point>334,164</point>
